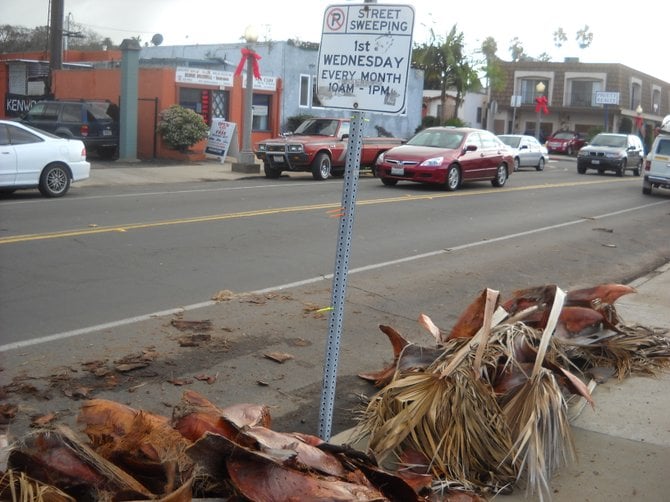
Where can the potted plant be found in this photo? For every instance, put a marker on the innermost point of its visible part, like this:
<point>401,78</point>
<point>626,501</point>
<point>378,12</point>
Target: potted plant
<point>181,128</point>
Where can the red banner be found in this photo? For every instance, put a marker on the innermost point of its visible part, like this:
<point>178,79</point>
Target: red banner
<point>247,53</point>
<point>541,105</point>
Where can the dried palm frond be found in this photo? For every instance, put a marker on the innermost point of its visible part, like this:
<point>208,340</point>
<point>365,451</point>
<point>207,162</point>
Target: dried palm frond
<point>19,487</point>
<point>634,350</point>
<point>538,417</point>
<point>448,413</point>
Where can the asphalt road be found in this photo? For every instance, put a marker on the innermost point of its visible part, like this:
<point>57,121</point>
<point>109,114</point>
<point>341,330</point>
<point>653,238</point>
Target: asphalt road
<point>81,276</point>
<point>101,255</point>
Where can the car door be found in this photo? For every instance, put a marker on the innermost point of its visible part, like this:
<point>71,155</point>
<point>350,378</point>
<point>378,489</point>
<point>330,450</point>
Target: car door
<point>472,159</point>
<point>8,164</point>
<point>44,116</point>
<point>635,151</point>
<point>32,154</point>
<point>528,152</point>
<point>492,157</point>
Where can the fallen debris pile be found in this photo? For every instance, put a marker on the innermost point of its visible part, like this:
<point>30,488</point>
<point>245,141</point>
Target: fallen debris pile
<point>484,409</point>
<point>487,407</point>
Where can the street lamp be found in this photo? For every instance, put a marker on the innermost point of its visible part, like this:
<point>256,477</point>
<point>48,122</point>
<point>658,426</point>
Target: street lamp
<point>539,90</point>
<point>247,162</point>
<point>638,119</point>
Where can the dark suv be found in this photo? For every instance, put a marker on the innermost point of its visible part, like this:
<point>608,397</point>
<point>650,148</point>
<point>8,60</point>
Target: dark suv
<point>96,123</point>
<point>612,152</point>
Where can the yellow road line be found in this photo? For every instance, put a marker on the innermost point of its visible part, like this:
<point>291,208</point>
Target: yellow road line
<point>291,209</point>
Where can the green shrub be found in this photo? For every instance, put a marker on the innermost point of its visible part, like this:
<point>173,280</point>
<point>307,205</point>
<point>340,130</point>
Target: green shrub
<point>181,128</point>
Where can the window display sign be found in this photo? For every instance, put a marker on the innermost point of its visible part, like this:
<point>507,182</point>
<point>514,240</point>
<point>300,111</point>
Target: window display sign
<point>219,139</point>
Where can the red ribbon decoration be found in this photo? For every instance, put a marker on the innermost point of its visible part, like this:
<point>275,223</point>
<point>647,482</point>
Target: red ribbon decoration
<point>541,105</point>
<point>245,55</point>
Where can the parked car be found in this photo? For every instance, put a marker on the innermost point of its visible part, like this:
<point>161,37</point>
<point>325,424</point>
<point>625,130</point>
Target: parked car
<point>447,156</point>
<point>566,142</point>
<point>612,152</point>
<point>96,123</point>
<point>527,151</point>
<point>319,146</point>
<point>31,158</point>
<point>657,163</point>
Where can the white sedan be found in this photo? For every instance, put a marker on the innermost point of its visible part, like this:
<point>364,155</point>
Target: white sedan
<point>32,158</point>
<point>527,151</point>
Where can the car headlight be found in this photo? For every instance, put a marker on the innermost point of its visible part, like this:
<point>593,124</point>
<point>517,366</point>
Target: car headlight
<point>434,162</point>
<point>295,148</point>
<point>262,148</point>
<point>380,158</point>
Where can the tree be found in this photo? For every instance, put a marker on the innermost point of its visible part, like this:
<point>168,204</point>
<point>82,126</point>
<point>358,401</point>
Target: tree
<point>22,39</point>
<point>584,37</point>
<point>445,67</point>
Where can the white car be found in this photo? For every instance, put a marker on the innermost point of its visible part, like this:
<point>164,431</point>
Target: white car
<point>527,151</point>
<point>31,158</point>
<point>657,162</point>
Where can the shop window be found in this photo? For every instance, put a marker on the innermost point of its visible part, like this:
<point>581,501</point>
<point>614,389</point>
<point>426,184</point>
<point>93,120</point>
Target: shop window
<point>529,92</point>
<point>304,90</point>
<point>583,92</point>
<point>261,112</point>
<point>635,93</point>
<point>220,100</point>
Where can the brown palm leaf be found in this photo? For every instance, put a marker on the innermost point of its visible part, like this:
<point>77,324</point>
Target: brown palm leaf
<point>538,416</point>
<point>634,350</point>
<point>448,413</point>
<point>19,487</point>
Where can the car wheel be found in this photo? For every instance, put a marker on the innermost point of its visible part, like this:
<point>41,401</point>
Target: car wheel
<point>540,164</point>
<point>581,169</point>
<point>321,166</point>
<point>517,164</point>
<point>501,176</point>
<point>646,188</point>
<point>54,181</point>
<point>638,169</point>
<point>453,180</point>
<point>271,172</point>
<point>389,182</point>
<point>621,170</point>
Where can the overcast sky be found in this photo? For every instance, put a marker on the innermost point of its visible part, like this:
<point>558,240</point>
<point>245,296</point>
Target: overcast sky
<point>623,32</point>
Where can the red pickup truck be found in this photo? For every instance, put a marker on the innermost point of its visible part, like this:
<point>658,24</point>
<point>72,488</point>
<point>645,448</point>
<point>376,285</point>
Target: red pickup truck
<point>319,146</point>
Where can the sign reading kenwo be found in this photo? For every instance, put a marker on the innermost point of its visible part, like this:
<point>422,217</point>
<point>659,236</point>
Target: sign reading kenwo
<point>364,57</point>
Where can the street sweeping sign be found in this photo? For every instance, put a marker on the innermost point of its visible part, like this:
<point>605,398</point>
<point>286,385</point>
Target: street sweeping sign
<point>364,57</point>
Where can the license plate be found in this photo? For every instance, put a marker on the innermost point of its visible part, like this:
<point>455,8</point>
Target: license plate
<point>278,158</point>
<point>106,133</point>
<point>397,171</point>
<point>595,162</point>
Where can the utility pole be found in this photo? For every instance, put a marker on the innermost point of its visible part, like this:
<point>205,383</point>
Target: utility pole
<point>56,35</point>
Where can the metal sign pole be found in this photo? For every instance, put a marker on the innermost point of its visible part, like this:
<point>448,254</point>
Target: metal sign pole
<point>352,168</point>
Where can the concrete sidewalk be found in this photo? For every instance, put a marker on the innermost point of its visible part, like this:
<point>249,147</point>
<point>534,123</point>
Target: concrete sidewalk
<point>117,173</point>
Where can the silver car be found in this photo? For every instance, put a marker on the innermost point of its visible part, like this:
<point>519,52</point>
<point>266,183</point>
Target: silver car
<point>527,151</point>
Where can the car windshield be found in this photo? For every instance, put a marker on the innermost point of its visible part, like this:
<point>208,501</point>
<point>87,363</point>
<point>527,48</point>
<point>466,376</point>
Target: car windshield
<point>318,127</point>
<point>563,135</point>
<point>437,138</point>
<point>512,141</point>
<point>609,140</point>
